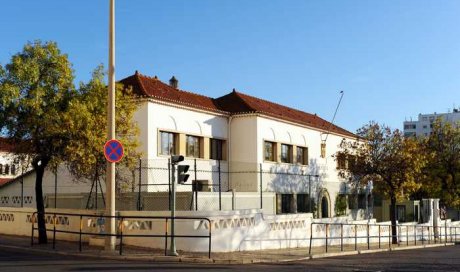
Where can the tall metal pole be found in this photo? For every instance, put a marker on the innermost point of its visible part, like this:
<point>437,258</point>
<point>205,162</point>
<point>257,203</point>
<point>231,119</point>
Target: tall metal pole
<point>22,186</point>
<point>309,193</point>
<point>55,188</point>
<point>110,177</point>
<point>172,247</point>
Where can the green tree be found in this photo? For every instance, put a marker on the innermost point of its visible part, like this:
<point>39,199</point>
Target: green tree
<point>36,88</point>
<point>443,168</point>
<point>88,123</point>
<point>394,163</point>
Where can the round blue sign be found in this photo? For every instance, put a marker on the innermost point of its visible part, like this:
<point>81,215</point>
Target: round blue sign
<point>113,150</point>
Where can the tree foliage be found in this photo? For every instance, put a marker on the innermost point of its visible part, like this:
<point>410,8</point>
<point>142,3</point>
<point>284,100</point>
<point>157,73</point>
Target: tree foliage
<point>394,163</point>
<point>88,123</point>
<point>443,168</point>
<point>36,88</point>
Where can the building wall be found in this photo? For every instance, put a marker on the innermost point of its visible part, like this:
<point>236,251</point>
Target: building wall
<point>155,117</point>
<point>328,183</point>
<point>246,151</point>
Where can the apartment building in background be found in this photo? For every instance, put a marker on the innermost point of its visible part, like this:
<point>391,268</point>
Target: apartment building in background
<point>424,125</point>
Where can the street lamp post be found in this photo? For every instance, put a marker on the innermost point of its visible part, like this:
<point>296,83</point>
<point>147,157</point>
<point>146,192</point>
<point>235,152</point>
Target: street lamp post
<point>110,177</point>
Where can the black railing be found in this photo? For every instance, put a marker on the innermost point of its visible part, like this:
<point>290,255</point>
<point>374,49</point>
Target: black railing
<point>416,232</point>
<point>120,234</point>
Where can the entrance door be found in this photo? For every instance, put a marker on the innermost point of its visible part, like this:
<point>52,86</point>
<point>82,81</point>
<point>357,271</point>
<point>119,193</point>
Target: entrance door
<point>324,207</point>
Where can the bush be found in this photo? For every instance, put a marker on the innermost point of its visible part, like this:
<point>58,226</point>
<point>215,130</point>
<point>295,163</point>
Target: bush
<point>340,205</point>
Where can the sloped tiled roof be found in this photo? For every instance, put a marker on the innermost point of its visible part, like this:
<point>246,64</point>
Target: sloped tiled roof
<point>237,102</point>
<point>4,181</point>
<point>153,87</point>
<point>6,145</point>
<point>231,104</point>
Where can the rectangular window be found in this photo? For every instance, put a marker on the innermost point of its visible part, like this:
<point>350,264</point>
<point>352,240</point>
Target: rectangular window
<point>302,155</point>
<point>168,143</point>
<point>193,146</point>
<point>216,149</point>
<point>361,201</point>
<point>303,204</point>
<point>269,151</point>
<point>286,153</point>
<point>401,213</point>
<point>286,200</point>
<point>341,161</point>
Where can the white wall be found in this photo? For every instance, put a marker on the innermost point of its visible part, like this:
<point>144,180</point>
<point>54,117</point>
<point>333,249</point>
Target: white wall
<point>283,132</point>
<point>10,195</point>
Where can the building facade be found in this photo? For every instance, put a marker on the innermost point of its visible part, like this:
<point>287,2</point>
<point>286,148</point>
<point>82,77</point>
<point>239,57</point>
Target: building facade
<point>246,137</point>
<point>424,125</point>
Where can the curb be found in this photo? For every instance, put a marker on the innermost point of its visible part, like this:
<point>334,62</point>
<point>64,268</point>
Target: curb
<point>171,259</point>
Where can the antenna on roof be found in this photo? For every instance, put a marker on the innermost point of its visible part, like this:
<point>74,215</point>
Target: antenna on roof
<point>333,118</point>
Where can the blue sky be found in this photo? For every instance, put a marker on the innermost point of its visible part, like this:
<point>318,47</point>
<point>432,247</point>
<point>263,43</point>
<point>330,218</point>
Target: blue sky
<point>393,59</point>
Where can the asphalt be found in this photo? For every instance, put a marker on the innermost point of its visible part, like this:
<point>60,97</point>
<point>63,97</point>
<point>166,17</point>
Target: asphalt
<point>65,248</point>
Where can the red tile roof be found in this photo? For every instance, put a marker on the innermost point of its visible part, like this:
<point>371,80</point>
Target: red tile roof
<point>237,102</point>
<point>232,103</point>
<point>4,181</point>
<point>152,87</point>
<point>6,145</point>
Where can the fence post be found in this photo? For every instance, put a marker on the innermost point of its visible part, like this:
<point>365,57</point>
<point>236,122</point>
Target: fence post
<point>139,189</point>
<point>407,235</point>
<point>54,231</point>
<point>120,227</point>
<point>327,228</point>
<point>22,186</point>
<point>379,237</point>
<point>423,239</point>
<point>368,237</point>
<point>445,230</point>
<point>415,235</point>
<point>390,234</point>
<point>220,187</point>
<point>169,183</point>
<point>81,227</point>
<point>311,237</point>
<point>260,186</point>
<point>196,185</point>
<point>356,237</point>
<point>341,237</point>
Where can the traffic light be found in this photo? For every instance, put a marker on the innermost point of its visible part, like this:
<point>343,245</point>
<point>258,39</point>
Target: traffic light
<point>176,159</point>
<point>182,175</point>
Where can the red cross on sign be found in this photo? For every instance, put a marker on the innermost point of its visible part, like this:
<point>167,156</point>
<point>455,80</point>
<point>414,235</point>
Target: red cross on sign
<point>113,150</point>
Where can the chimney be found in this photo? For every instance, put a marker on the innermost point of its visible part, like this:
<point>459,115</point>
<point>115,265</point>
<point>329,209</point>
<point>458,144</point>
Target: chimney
<point>173,82</point>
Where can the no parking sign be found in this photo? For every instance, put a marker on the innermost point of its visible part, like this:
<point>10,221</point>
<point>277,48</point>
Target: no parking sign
<point>113,150</point>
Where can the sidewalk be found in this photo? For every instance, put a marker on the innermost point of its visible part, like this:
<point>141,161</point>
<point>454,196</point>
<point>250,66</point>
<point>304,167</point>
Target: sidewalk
<point>157,255</point>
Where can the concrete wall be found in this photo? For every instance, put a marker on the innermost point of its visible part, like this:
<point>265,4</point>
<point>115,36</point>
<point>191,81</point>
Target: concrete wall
<point>231,230</point>
<point>10,194</point>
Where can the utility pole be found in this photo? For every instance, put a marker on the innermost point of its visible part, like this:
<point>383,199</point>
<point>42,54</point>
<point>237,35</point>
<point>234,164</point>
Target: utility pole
<point>110,177</point>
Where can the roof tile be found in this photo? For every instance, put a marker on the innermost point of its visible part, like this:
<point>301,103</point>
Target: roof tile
<point>232,103</point>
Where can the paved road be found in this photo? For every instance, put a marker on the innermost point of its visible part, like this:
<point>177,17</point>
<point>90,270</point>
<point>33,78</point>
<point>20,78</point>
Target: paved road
<point>430,259</point>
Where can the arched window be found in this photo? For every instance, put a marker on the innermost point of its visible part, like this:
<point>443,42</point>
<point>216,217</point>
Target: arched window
<point>1,169</point>
<point>13,169</point>
<point>7,169</point>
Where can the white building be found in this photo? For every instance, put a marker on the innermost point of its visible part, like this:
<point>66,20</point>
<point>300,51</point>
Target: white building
<point>247,134</point>
<point>9,165</point>
<point>263,153</point>
<point>423,126</point>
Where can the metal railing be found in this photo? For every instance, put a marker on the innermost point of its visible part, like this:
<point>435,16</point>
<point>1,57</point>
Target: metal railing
<point>120,233</point>
<point>417,233</point>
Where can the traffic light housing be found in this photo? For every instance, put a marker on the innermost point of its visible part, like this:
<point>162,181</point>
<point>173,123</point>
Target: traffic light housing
<point>182,175</point>
<point>175,159</point>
